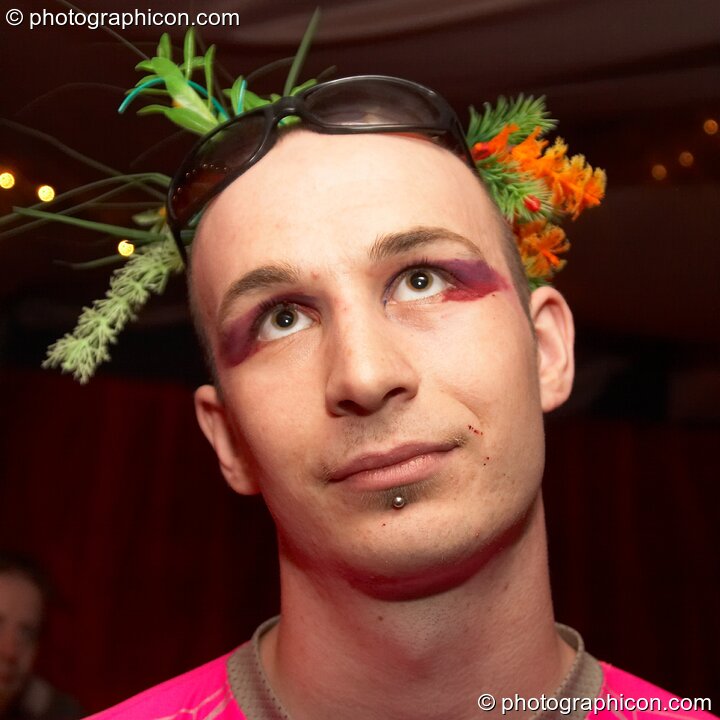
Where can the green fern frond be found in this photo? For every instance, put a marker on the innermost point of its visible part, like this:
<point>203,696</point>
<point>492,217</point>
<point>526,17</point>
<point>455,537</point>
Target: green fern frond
<point>536,282</point>
<point>509,187</point>
<point>146,272</point>
<point>525,112</point>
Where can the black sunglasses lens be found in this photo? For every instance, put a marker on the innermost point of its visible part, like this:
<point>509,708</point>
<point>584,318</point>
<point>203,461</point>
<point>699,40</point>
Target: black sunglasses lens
<point>376,102</point>
<point>222,153</point>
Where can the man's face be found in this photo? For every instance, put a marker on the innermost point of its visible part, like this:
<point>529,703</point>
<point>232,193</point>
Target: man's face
<point>369,344</point>
<point>21,608</point>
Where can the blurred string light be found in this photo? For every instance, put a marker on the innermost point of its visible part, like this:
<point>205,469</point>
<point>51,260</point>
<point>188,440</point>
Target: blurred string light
<point>125,248</point>
<point>46,193</point>
<point>7,180</point>
<point>686,159</point>
<point>659,171</point>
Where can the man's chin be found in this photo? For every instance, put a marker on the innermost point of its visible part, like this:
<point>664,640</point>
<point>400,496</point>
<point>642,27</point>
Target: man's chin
<point>414,570</point>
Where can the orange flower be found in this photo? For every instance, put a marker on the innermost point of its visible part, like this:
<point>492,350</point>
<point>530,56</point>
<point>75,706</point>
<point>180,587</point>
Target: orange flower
<point>573,183</point>
<point>586,188</point>
<point>539,244</point>
<point>529,150</point>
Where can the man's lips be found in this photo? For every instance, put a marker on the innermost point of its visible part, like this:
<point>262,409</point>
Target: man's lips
<point>401,465</point>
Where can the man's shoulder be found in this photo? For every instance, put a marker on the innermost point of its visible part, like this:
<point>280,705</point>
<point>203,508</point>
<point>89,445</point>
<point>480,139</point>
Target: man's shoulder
<point>199,694</point>
<point>628,696</point>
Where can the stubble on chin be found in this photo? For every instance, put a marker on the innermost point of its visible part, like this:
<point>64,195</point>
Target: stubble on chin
<point>382,500</point>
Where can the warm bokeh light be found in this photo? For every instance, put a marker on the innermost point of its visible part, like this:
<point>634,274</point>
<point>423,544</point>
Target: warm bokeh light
<point>659,172</point>
<point>686,159</point>
<point>710,126</point>
<point>7,180</point>
<point>125,248</point>
<point>46,193</point>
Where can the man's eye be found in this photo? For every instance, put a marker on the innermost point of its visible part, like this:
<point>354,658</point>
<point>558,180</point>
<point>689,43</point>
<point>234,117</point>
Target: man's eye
<point>419,283</point>
<point>281,321</point>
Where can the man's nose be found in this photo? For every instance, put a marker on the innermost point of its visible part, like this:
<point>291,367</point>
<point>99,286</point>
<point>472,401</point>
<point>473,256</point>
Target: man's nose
<point>368,364</point>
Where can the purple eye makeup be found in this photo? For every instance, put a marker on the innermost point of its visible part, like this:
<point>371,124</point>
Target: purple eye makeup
<point>466,279</point>
<point>475,279</point>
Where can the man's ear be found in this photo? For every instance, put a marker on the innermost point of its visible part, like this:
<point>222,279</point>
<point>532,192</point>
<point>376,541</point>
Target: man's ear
<point>555,334</point>
<point>213,419</point>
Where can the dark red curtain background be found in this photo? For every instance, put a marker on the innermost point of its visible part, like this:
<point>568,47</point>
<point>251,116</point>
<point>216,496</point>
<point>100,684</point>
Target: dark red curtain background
<point>160,567</point>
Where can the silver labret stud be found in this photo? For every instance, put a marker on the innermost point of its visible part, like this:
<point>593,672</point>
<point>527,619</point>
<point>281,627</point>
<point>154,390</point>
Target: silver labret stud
<point>398,502</point>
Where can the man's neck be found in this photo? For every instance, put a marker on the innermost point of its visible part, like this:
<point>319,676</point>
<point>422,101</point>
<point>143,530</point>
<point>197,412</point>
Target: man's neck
<point>343,654</point>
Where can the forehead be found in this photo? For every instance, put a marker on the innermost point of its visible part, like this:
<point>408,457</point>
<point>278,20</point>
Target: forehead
<point>318,202</point>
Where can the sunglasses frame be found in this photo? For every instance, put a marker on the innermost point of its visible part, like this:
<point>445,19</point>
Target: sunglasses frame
<point>447,130</point>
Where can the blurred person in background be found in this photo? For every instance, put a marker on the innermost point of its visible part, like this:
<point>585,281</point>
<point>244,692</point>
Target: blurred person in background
<point>23,600</point>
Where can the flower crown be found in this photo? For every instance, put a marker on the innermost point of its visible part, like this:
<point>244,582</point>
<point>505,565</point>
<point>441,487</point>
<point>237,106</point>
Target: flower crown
<point>535,185</point>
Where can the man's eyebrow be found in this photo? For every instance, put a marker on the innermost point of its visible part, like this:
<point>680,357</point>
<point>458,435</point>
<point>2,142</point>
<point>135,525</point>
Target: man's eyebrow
<point>261,278</point>
<point>397,243</point>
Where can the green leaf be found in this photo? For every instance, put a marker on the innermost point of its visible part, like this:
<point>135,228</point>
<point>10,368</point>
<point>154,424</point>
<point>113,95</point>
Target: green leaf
<point>164,48</point>
<point>135,180</point>
<point>234,94</point>
<point>184,117</point>
<point>195,64</point>
<point>188,52</point>
<point>115,230</point>
<point>302,52</point>
<point>290,120</point>
<point>152,109</point>
<point>183,94</point>
<point>145,65</point>
<point>154,91</point>
<point>536,282</point>
<point>209,58</point>
<point>307,84</point>
<point>142,81</point>
<point>253,101</point>
<point>148,217</point>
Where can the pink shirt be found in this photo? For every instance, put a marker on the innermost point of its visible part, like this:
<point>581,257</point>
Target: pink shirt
<point>235,687</point>
<point>205,694</point>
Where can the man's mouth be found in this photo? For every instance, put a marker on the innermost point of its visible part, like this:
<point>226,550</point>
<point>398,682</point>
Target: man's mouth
<point>404,464</point>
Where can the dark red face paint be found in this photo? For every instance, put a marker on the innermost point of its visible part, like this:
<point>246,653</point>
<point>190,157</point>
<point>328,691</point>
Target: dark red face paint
<point>238,341</point>
<point>476,280</point>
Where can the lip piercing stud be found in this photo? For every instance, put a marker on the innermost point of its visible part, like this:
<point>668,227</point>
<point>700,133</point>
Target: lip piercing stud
<point>398,502</point>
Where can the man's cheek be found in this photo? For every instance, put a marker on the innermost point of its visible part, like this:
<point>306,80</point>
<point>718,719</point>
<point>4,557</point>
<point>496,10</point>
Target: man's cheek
<point>282,432</point>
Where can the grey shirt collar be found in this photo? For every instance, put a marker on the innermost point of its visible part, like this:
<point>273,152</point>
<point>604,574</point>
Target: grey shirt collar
<point>256,698</point>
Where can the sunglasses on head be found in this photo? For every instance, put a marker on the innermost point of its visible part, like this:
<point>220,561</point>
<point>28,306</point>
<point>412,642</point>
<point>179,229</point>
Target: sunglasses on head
<point>352,105</point>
